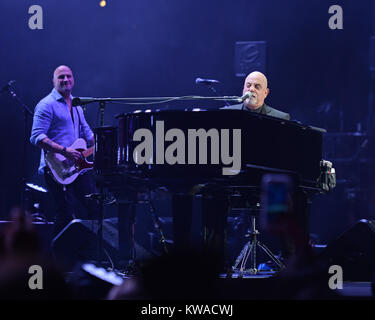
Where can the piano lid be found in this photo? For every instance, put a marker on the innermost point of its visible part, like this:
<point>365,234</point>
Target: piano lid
<point>265,142</point>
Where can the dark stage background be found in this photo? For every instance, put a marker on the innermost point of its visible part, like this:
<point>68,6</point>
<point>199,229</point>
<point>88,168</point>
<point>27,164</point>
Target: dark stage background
<point>157,48</point>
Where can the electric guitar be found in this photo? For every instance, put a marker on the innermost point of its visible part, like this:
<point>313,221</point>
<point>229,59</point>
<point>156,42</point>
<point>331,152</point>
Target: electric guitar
<point>65,171</point>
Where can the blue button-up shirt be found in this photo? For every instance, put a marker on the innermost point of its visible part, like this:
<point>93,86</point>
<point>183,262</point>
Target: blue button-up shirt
<point>52,119</point>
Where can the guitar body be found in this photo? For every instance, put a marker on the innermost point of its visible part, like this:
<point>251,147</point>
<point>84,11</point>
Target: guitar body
<point>65,171</point>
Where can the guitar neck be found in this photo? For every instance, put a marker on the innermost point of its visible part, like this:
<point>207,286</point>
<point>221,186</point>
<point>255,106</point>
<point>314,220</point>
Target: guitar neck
<point>88,152</point>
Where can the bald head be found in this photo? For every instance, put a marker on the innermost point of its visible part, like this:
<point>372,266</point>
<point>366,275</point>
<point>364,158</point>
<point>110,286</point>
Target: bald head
<point>61,68</point>
<point>256,82</point>
<point>63,80</point>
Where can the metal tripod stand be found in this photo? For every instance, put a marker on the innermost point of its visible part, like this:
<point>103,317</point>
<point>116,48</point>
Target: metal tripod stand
<point>250,249</point>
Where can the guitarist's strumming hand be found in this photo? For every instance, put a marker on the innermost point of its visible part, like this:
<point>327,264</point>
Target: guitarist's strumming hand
<point>68,152</point>
<point>72,154</point>
<point>73,162</point>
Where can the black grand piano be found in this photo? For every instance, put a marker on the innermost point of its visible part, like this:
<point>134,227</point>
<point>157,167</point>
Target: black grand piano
<point>267,144</point>
<point>151,150</point>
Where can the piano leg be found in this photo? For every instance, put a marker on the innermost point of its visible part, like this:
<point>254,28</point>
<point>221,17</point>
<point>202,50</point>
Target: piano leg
<point>182,206</point>
<point>295,242</point>
<point>214,221</point>
<point>215,208</point>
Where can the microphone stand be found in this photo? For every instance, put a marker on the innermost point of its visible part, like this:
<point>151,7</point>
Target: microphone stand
<point>211,87</point>
<point>26,113</point>
<point>80,101</point>
<point>102,109</point>
<point>101,198</point>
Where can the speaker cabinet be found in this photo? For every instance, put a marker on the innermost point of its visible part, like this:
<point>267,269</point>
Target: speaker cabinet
<point>354,251</point>
<point>78,242</point>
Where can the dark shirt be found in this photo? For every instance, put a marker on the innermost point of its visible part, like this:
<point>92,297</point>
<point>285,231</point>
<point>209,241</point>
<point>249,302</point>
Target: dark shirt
<point>261,110</point>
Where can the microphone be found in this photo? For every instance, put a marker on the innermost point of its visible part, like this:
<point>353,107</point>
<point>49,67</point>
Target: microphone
<point>6,87</point>
<point>80,101</point>
<point>206,81</point>
<point>247,95</point>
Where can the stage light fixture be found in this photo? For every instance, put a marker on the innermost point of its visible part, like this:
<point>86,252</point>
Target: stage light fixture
<point>103,3</point>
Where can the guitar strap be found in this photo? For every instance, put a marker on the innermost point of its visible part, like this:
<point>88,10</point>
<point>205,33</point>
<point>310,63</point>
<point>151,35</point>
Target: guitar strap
<point>79,123</point>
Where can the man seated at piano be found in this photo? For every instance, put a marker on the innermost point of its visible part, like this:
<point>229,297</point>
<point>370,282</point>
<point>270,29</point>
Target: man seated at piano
<point>256,83</point>
<point>215,203</point>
